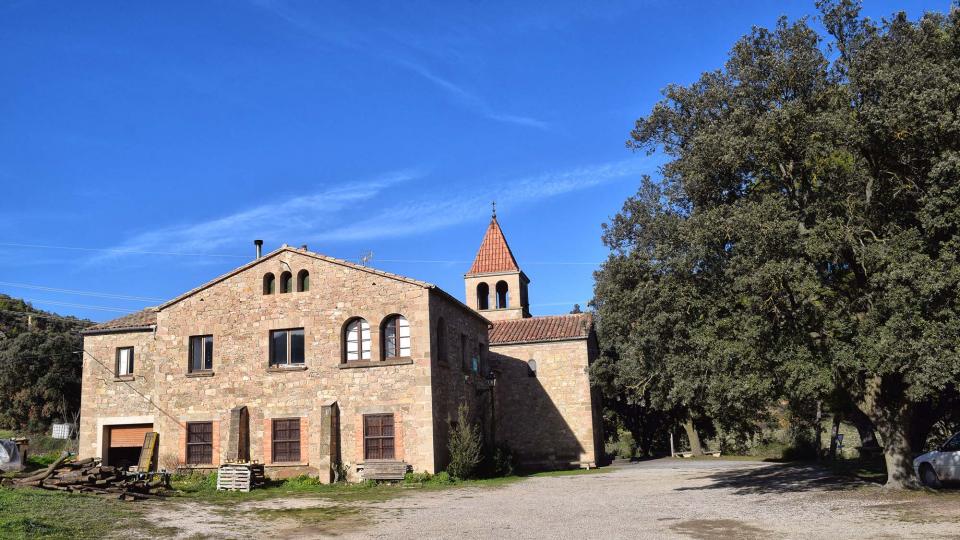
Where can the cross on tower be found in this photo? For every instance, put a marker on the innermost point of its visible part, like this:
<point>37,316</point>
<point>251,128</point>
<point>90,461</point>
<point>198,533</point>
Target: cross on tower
<point>494,203</point>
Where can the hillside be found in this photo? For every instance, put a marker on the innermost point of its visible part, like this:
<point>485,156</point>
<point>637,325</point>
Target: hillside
<point>40,366</point>
<point>17,316</point>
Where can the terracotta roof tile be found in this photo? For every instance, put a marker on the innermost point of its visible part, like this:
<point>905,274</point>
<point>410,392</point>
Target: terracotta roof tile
<point>494,254</point>
<point>548,328</point>
<point>140,319</point>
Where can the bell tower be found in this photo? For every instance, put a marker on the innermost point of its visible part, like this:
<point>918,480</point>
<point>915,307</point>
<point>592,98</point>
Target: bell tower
<point>495,285</point>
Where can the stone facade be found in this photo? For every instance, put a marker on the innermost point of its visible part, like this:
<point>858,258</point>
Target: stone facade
<point>239,316</point>
<point>249,408</point>
<point>549,417</point>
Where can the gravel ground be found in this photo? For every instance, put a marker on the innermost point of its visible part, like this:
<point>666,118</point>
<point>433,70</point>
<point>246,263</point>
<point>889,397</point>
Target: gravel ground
<point>670,499</point>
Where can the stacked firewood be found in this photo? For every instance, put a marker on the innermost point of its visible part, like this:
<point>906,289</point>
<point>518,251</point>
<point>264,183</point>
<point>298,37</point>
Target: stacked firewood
<point>89,476</point>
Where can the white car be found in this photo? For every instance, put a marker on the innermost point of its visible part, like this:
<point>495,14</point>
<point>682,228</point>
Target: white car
<point>942,465</point>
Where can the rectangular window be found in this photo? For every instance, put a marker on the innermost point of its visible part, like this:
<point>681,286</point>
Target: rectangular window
<point>286,347</point>
<point>484,359</point>
<point>124,361</point>
<point>286,440</point>
<point>199,443</point>
<point>201,353</point>
<point>378,436</point>
<point>464,353</point>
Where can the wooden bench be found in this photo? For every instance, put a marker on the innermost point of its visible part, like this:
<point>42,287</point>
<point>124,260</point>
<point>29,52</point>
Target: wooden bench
<point>384,470</point>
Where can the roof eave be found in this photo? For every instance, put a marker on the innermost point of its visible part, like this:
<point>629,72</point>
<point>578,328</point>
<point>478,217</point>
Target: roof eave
<point>534,341</point>
<point>128,329</point>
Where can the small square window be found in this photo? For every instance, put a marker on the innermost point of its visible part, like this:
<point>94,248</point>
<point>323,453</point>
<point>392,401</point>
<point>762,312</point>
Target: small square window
<point>287,347</point>
<point>201,353</point>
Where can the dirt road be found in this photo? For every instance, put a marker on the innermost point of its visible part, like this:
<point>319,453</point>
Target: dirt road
<point>654,499</point>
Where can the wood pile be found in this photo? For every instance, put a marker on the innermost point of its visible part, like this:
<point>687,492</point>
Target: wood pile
<point>89,476</point>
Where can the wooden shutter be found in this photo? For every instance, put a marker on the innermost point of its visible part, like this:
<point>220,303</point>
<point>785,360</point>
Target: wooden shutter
<point>378,436</point>
<point>128,436</point>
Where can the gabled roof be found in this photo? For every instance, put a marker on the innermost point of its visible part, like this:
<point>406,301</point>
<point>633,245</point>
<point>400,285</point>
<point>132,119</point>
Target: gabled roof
<point>312,254</point>
<point>147,319</point>
<point>539,329</point>
<point>140,321</point>
<point>494,254</point>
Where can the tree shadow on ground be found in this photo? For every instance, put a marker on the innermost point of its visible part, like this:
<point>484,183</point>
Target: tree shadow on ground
<point>778,479</point>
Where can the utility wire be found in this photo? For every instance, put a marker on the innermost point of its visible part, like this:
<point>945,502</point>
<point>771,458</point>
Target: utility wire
<point>82,306</point>
<point>81,293</point>
<point>225,255</point>
<point>68,319</point>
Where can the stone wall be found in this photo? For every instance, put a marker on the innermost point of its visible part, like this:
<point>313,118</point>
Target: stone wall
<point>454,382</point>
<point>239,316</point>
<point>549,420</point>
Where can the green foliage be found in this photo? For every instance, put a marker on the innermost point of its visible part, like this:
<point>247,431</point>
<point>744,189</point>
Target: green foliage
<point>442,477</point>
<point>195,482</point>
<point>39,367</point>
<point>802,244</point>
<point>465,446</point>
<point>302,481</point>
<point>621,445</point>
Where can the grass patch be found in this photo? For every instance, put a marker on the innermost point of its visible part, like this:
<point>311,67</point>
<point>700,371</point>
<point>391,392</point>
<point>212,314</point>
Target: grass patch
<point>567,472</point>
<point>203,487</point>
<point>36,513</point>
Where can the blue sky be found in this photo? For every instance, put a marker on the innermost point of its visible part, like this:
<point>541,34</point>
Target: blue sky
<point>146,144</point>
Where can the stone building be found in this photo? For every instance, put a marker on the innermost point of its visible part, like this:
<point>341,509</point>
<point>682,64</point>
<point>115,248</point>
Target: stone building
<point>315,365</point>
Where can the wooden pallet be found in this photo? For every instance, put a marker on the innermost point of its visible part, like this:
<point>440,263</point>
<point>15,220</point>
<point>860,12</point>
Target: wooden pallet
<point>240,476</point>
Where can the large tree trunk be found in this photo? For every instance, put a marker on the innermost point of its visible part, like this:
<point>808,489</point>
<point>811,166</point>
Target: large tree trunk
<point>868,437</point>
<point>693,437</point>
<point>884,402</point>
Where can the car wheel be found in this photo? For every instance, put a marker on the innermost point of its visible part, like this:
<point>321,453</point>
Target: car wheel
<point>929,477</point>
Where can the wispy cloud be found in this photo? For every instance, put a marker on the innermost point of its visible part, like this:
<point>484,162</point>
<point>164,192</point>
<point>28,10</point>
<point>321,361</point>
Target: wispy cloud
<point>422,215</point>
<point>365,40</point>
<point>299,217</point>
<point>469,99</point>
<point>330,217</point>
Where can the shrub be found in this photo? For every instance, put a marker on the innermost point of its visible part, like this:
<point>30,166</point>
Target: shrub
<point>195,482</point>
<point>499,462</point>
<point>417,477</point>
<point>302,481</point>
<point>442,477</point>
<point>464,445</point>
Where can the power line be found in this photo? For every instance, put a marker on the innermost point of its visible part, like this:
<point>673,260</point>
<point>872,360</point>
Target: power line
<point>125,251</point>
<point>27,313</point>
<point>82,306</point>
<point>81,293</point>
<point>230,256</point>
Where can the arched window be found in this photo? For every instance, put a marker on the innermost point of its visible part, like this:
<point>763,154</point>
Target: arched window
<point>503,295</point>
<point>303,281</point>
<point>483,296</point>
<point>396,337</point>
<point>286,282</point>
<point>442,353</point>
<point>356,340</point>
<point>532,368</point>
<point>269,284</point>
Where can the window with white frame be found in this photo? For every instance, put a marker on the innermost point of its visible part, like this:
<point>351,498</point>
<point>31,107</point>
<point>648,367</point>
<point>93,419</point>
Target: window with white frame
<point>357,340</point>
<point>396,337</point>
<point>124,361</point>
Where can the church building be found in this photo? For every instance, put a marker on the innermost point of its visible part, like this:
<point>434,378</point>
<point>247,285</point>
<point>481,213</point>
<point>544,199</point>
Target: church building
<point>316,365</point>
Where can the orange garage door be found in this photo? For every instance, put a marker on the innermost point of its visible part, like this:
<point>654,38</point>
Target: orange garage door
<point>129,435</point>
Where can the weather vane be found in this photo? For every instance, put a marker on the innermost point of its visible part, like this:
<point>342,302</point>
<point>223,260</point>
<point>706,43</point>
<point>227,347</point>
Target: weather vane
<point>494,203</point>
